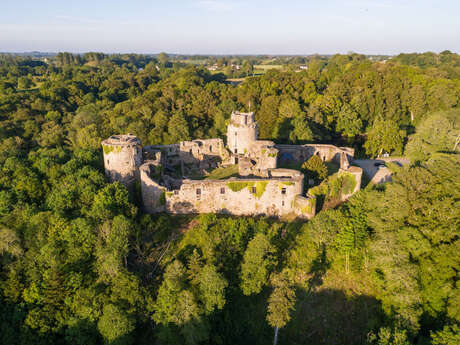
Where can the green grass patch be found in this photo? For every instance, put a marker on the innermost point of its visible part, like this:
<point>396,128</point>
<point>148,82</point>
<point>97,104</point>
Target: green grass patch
<point>267,67</point>
<point>223,172</point>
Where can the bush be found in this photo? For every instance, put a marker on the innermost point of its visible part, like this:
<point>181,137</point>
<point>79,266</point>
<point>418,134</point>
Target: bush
<point>315,168</point>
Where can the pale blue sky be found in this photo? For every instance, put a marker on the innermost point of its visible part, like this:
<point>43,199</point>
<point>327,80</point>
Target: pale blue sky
<point>231,26</point>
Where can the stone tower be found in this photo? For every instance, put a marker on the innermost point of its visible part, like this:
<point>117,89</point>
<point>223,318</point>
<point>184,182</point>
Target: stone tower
<point>122,158</point>
<point>241,132</point>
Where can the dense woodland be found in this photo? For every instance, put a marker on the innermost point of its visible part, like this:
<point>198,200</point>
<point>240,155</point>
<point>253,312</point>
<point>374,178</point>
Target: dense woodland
<point>81,264</point>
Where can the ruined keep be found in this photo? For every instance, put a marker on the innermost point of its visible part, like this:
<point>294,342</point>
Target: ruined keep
<point>173,178</point>
<point>122,158</point>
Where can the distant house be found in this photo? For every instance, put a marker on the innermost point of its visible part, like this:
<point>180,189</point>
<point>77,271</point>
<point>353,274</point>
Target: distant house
<point>303,67</point>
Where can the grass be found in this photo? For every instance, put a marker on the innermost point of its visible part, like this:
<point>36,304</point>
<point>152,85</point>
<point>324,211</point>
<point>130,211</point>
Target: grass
<point>267,67</point>
<point>223,172</point>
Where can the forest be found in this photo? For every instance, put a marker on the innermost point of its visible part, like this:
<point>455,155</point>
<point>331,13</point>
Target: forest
<point>80,263</point>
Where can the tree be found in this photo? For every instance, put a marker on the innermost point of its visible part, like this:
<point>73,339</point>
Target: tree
<point>257,262</point>
<point>212,288</point>
<point>111,201</point>
<point>267,116</point>
<point>348,121</point>
<point>178,129</point>
<point>24,83</point>
<point>437,133</point>
<point>115,325</point>
<point>301,130</point>
<point>384,136</point>
<point>281,301</point>
<point>315,168</point>
<point>163,58</point>
<point>449,335</point>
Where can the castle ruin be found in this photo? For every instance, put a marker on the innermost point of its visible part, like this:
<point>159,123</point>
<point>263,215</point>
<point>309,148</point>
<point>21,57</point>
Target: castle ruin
<point>175,178</point>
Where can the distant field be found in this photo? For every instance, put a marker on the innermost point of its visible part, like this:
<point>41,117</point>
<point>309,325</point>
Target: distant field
<point>193,62</point>
<point>267,67</point>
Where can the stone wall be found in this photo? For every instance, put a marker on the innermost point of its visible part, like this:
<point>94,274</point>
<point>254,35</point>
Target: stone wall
<point>263,188</point>
<point>153,194</point>
<point>122,158</point>
<point>273,196</point>
<point>305,207</point>
<point>203,154</point>
<point>357,172</point>
<point>300,153</point>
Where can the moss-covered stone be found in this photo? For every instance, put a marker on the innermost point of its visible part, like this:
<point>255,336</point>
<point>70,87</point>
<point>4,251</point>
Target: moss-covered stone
<point>109,148</point>
<point>283,184</point>
<point>237,186</point>
<point>260,188</point>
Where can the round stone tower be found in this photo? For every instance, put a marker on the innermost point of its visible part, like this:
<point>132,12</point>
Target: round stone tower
<point>122,158</point>
<point>241,132</point>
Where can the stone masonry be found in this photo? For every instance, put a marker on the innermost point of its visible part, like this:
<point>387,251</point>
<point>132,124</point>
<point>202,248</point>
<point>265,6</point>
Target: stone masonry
<point>171,181</point>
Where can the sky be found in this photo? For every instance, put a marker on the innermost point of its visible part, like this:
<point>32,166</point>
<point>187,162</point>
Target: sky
<point>230,26</point>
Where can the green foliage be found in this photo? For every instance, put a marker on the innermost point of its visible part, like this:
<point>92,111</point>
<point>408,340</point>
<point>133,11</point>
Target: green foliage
<point>111,200</point>
<point>212,286</point>
<point>108,149</point>
<point>281,301</point>
<point>349,122</point>
<point>115,325</point>
<point>80,265</point>
<point>257,263</point>
<point>437,133</point>
<point>449,335</point>
<point>315,168</point>
<point>387,336</point>
<point>237,186</point>
<point>331,191</point>
<point>384,136</point>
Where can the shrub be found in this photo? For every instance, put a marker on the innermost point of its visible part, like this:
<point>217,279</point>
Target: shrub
<point>315,168</point>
